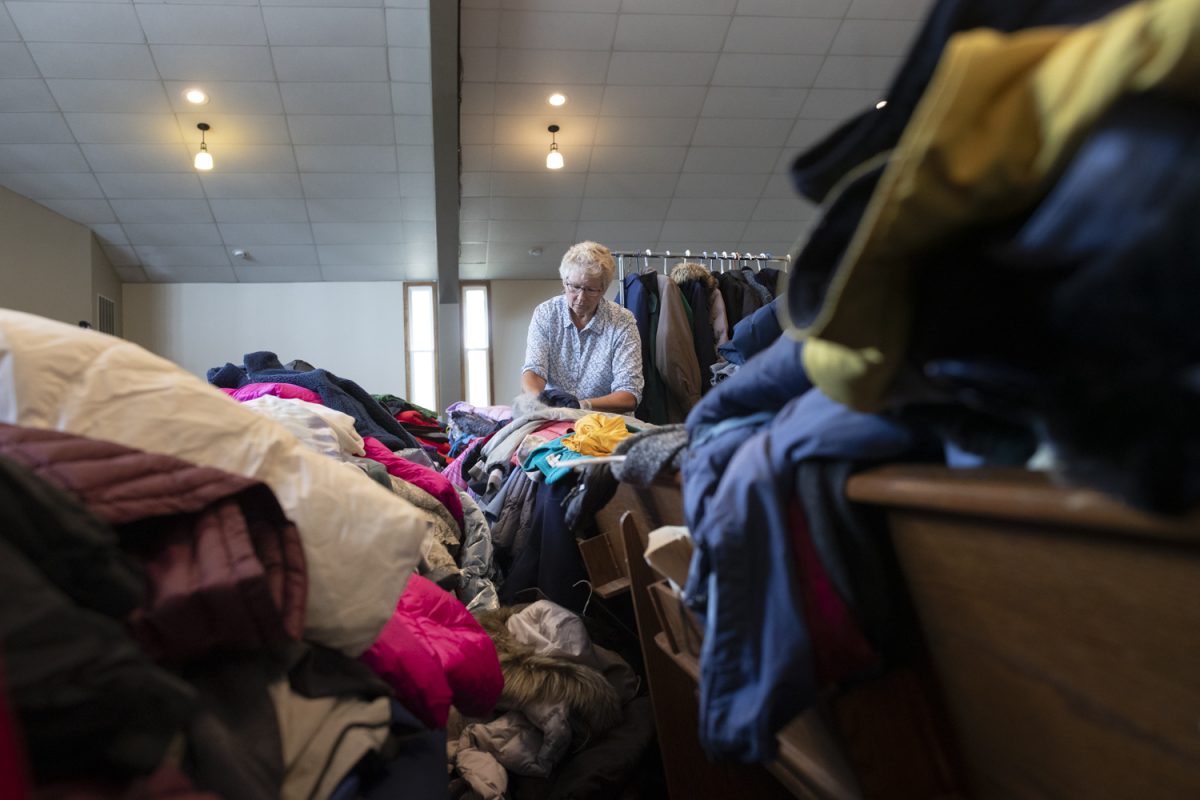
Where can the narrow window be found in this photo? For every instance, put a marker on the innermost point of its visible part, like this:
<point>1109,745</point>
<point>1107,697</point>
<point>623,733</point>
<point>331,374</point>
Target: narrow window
<point>477,343</point>
<point>420,315</point>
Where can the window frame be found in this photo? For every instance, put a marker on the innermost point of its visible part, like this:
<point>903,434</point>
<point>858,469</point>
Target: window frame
<point>408,348</point>
<point>491,349</point>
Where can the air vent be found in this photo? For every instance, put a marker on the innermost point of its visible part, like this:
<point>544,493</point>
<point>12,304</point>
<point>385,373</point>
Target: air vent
<point>106,311</point>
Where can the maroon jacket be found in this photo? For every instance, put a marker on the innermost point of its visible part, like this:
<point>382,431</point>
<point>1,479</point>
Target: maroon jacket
<point>225,566</point>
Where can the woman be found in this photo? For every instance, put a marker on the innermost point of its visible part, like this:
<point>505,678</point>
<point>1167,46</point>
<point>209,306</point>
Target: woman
<point>581,344</point>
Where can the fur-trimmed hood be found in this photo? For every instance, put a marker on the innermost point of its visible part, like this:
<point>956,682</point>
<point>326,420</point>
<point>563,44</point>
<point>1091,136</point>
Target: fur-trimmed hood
<point>691,271</point>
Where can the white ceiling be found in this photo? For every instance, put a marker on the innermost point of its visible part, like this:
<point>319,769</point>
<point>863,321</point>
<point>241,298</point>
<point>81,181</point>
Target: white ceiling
<point>682,120</point>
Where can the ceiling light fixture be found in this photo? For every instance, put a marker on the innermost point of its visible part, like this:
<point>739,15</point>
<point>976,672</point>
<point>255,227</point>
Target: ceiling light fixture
<point>196,97</point>
<point>204,160</point>
<point>556,99</point>
<point>554,159</point>
<point>881,104</point>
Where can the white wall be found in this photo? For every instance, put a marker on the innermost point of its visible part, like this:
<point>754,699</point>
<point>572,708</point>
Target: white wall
<point>354,330</point>
<point>512,308</point>
<point>50,265</point>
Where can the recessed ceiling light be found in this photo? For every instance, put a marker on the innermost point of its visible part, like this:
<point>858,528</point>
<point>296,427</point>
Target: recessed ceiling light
<point>195,97</point>
<point>881,104</point>
<point>556,99</point>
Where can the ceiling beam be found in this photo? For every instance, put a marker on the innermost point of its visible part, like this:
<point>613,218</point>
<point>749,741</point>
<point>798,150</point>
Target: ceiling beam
<point>443,64</point>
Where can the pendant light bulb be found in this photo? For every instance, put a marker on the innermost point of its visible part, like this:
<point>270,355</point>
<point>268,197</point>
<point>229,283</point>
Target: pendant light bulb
<point>554,159</point>
<point>204,159</point>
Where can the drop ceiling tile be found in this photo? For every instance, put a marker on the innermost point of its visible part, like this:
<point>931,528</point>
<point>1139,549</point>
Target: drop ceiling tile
<point>716,132</point>
<point>283,273</point>
<point>355,209</point>
<point>208,24</point>
<point>475,157</point>
<point>715,209</point>
<point>77,22</point>
<point>413,158</point>
<point>52,184</point>
<point>162,256</point>
<point>236,128</point>
<point>366,254</point>
<point>653,101</point>
<point>553,5</point>
<point>413,129</point>
<point>181,62</point>
<point>336,98</point>
<point>472,230</point>
<point>630,185</point>
<point>479,98</point>
<point>478,63</point>
<point>333,233</point>
<point>417,185</point>
<point>475,128</point>
<point>86,211</point>
<point>767,70</point>
<point>857,72</point>
<point>479,28</point>
<point>130,274</point>
<point>638,159</point>
<point>189,274</point>
<point>35,128</point>
<point>93,61</point>
<point>774,230</point>
<point>22,94</point>
<point>562,67</point>
<point>252,185</point>
<point>136,97</point>
<point>873,37</point>
<point>361,129</point>
<point>41,158</point>
<point>837,104</point>
<point>475,184</point>
<point>790,36</point>
<point>793,8</point>
<point>510,230</point>
<point>649,131</point>
<point>679,6</point>
<point>256,157</point>
<point>345,158</point>
<point>807,132</point>
<point>620,234</point>
<point>670,33</point>
<point>233,210</point>
<point>624,208</point>
<point>411,98</point>
<point>554,209</point>
<point>124,128</point>
<point>889,9</point>
<point>472,253</point>
<point>160,209</point>
<point>361,185</point>
<point>231,97</point>
<point>8,31</point>
<point>716,186</point>
<point>121,255</point>
<point>529,99</point>
<point>783,208</point>
<point>239,234</point>
<point>726,160</point>
<point>780,185</point>
<point>480,208</point>
<point>173,236</point>
<point>272,255</point>
<point>330,64</point>
<point>321,3</point>
<point>546,264</point>
<point>753,103</point>
<point>556,30</point>
<point>154,184</point>
<point>410,64</point>
<point>419,209</point>
<point>422,236</point>
<point>407,27</point>
<point>661,69</point>
<point>15,61</point>
<point>395,269</point>
<point>138,157</point>
<point>574,131</point>
<point>537,184</point>
<point>326,26</point>
<point>713,234</point>
<point>109,233</point>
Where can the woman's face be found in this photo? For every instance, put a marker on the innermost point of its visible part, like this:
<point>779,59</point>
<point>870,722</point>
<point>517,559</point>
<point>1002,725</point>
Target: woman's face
<point>583,293</point>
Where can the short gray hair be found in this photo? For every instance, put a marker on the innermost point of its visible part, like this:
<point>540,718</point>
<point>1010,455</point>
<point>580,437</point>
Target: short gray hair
<point>592,259</point>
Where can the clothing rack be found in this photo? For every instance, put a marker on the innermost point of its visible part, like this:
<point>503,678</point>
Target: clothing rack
<point>716,261</point>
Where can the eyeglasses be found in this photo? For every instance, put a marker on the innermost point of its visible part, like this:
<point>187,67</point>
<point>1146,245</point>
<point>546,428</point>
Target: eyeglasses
<point>571,288</point>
